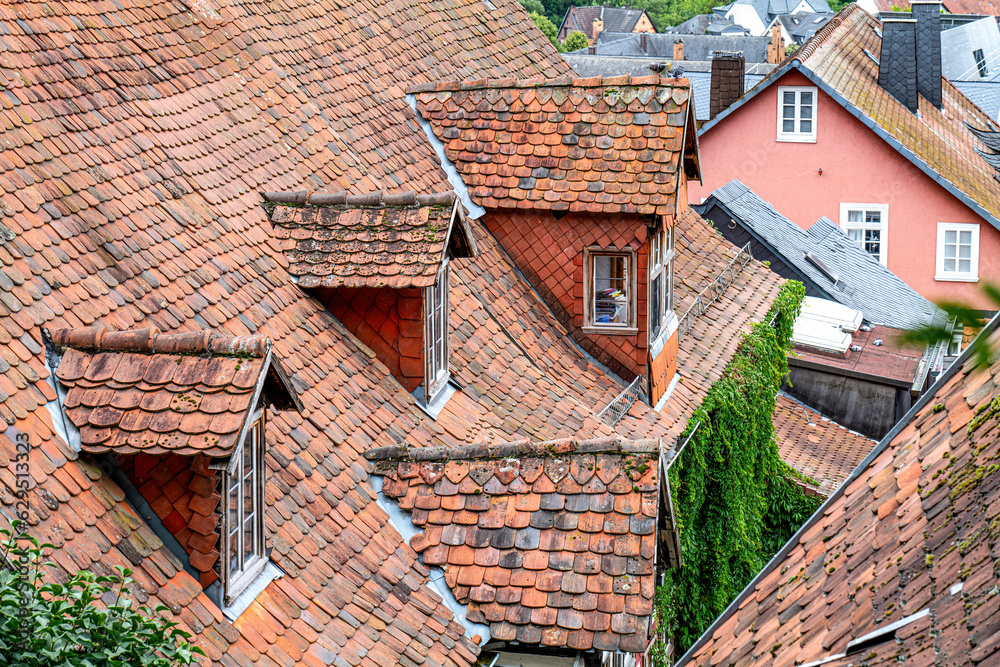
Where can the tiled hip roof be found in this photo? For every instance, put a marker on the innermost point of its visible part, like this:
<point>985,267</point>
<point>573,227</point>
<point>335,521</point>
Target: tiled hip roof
<point>551,543</point>
<point>599,145</point>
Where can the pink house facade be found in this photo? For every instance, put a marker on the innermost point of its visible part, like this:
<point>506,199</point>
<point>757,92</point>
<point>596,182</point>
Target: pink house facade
<point>822,137</point>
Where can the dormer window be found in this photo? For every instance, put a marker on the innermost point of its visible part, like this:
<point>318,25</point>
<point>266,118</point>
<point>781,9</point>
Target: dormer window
<point>181,418</point>
<point>379,263</point>
<point>609,292</point>
<point>661,280</point>
<point>436,342</point>
<point>243,554</point>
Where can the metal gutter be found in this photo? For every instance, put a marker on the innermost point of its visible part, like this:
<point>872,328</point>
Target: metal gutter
<point>883,444</point>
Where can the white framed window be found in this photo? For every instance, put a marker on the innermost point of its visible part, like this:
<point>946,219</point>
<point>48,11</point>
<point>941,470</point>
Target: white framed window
<point>661,280</point>
<point>243,557</point>
<point>957,252</point>
<point>867,225</point>
<point>436,335</point>
<point>797,114</point>
<point>609,291</point>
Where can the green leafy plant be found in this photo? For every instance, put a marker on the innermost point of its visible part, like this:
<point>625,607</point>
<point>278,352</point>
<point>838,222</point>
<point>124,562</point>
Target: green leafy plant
<point>961,315</point>
<point>575,41</point>
<point>735,500</point>
<point>547,27</point>
<point>88,621</point>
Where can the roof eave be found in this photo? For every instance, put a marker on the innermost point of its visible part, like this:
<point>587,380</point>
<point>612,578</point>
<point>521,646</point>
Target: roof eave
<point>776,560</point>
<point>868,121</point>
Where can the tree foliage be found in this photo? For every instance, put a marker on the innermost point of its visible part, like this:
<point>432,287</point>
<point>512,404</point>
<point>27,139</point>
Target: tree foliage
<point>575,41</point>
<point>86,622</point>
<point>546,26</point>
<point>533,6</point>
<point>734,501</point>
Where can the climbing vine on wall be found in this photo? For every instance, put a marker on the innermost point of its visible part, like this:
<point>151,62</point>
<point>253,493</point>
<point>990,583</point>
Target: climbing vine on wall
<point>734,502</point>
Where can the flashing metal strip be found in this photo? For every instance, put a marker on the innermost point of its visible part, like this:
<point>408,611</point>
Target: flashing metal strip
<point>475,210</point>
<point>883,444</point>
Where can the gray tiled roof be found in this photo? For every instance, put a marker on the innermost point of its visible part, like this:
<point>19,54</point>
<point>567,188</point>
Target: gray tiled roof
<point>696,47</point>
<point>984,94</point>
<point>864,283</point>
<point>803,26</point>
<point>701,81</point>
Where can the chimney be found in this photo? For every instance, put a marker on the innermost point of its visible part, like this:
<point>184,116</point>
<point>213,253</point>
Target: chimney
<point>644,42</point>
<point>597,27</point>
<point>591,50</point>
<point>679,49</point>
<point>728,73</point>
<point>927,14</point>
<point>897,71</point>
<point>776,49</point>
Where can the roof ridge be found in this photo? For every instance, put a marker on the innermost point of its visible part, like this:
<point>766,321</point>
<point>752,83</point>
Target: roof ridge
<point>515,449</point>
<point>151,341</point>
<point>558,82</point>
<point>370,199</point>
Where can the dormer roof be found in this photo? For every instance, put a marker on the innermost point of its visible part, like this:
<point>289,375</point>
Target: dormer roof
<point>549,543</point>
<point>371,240</point>
<point>602,145</point>
<point>187,393</point>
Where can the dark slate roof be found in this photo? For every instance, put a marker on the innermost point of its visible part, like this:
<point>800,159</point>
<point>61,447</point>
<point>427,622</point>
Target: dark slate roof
<point>803,26</point>
<point>899,565</point>
<point>696,47</point>
<point>864,283</point>
<point>696,25</point>
<point>984,94</point>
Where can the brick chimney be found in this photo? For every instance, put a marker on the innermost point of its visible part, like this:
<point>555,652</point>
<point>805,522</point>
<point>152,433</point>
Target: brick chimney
<point>927,14</point>
<point>596,29</point>
<point>679,49</point>
<point>897,71</point>
<point>728,73</point>
<point>644,42</point>
<point>776,49</point>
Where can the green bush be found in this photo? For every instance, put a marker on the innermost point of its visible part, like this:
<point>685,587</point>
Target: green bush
<point>734,500</point>
<point>575,41</point>
<point>547,27</point>
<point>47,624</point>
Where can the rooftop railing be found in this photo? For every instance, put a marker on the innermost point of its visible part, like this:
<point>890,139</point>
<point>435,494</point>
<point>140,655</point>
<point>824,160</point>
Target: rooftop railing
<point>716,289</point>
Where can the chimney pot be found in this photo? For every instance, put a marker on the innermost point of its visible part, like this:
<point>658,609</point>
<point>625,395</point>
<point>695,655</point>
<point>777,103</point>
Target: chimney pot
<point>897,71</point>
<point>927,14</point>
<point>728,76</point>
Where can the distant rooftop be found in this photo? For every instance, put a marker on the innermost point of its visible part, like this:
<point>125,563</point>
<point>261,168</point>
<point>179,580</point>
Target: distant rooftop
<point>861,281</point>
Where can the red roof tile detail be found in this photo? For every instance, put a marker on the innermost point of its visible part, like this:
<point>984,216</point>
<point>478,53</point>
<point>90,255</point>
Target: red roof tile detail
<point>817,447</point>
<point>168,393</point>
<point>549,543</point>
<point>379,246</point>
<point>612,145</point>
<point>914,531</point>
<point>549,252</point>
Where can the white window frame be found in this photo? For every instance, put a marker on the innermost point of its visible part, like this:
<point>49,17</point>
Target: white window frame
<point>956,276</point>
<point>590,326</point>
<point>436,351</point>
<point>796,135</point>
<point>882,226</point>
<point>237,576</point>
<point>661,266</point>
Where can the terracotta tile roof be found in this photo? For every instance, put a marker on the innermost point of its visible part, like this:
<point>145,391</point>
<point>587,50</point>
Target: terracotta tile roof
<point>186,394</point>
<point>890,359</point>
<point>137,138</point>
<point>817,447</point>
<point>910,536</point>
<point>607,145</point>
<point>936,140</point>
<point>339,240</point>
<point>549,543</point>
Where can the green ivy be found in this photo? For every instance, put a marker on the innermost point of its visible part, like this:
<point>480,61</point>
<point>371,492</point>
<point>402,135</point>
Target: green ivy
<point>734,501</point>
<point>88,621</point>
